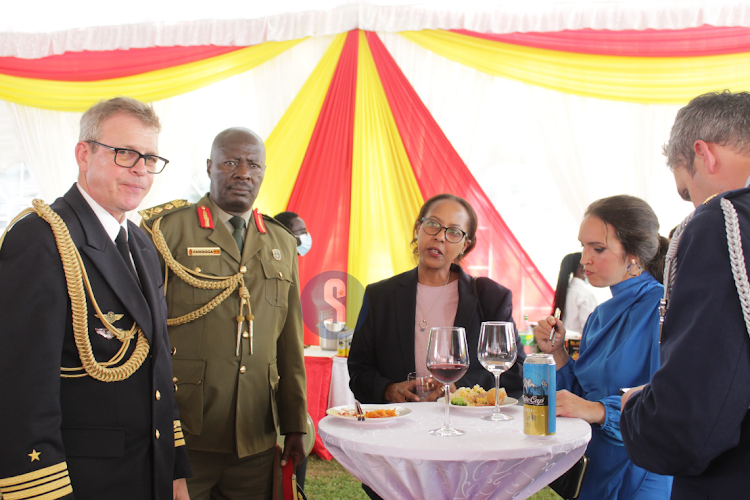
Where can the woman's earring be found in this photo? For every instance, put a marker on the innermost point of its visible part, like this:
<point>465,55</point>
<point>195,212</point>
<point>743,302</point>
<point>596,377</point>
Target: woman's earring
<point>632,263</point>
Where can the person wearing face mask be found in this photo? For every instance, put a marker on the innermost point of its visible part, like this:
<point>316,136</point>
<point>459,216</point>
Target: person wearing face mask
<point>296,226</point>
<point>619,348</point>
<point>573,295</point>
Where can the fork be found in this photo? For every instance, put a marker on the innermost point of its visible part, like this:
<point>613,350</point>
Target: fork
<point>360,413</point>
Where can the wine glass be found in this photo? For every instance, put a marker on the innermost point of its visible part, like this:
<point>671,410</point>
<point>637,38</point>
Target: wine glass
<point>447,360</point>
<point>497,352</point>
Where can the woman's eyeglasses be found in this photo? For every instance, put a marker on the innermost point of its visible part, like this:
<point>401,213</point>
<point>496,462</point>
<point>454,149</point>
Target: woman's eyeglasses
<point>433,227</point>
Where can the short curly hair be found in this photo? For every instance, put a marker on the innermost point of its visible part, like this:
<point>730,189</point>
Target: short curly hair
<point>471,233</point>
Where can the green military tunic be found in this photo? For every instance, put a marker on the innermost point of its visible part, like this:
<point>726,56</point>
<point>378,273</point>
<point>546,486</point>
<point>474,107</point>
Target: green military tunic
<point>232,399</point>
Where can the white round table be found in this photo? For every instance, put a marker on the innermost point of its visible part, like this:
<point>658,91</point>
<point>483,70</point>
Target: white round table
<point>493,460</point>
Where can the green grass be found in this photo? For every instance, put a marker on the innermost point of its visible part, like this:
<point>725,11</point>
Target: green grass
<point>330,481</point>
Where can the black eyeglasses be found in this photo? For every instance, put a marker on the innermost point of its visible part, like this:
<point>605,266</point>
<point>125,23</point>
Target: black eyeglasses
<point>127,158</point>
<point>433,227</point>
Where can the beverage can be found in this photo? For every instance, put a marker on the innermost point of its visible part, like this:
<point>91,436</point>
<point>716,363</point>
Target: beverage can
<point>342,351</point>
<point>539,388</point>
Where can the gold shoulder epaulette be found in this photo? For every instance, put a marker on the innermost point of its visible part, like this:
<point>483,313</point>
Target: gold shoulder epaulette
<point>150,214</point>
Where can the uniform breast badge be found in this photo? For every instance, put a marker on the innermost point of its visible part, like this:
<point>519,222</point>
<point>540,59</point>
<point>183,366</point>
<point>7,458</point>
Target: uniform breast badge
<point>203,251</point>
<point>276,253</point>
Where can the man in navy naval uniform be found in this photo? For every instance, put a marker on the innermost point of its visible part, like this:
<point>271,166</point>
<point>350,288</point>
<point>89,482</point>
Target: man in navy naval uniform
<point>87,408</point>
<point>692,420</point>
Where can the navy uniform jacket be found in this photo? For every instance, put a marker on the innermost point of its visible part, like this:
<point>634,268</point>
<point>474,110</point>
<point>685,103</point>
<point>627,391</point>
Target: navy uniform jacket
<point>383,344</point>
<point>78,437</point>
<point>692,421</point>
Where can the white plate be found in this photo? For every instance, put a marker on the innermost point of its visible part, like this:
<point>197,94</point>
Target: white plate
<point>400,413</point>
<point>509,401</point>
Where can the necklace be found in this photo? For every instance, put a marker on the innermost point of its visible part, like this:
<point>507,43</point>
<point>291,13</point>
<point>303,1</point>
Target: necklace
<point>423,324</point>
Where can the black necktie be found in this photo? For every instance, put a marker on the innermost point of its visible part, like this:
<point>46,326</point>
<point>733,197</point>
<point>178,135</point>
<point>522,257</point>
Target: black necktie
<point>239,225</point>
<point>122,247</point>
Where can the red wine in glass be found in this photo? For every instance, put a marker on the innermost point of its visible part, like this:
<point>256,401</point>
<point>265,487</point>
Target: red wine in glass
<point>448,373</point>
<point>447,360</point>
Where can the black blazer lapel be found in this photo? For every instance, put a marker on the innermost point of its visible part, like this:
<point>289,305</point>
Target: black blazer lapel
<point>467,301</point>
<point>145,263</point>
<point>406,305</point>
<point>103,254</point>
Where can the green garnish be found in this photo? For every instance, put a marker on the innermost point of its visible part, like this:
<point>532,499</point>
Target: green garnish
<point>458,402</point>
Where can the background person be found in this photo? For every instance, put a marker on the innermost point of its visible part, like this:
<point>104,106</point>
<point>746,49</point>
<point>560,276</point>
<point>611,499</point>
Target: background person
<point>296,226</point>
<point>65,433</point>
<point>622,249</point>
<point>701,431</point>
<point>238,367</point>
<point>572,295</point>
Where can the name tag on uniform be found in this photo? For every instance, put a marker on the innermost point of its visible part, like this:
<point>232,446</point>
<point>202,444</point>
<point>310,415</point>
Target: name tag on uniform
<point>203,251</point>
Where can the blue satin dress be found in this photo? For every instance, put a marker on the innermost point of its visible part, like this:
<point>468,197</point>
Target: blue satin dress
<point>619,348</point>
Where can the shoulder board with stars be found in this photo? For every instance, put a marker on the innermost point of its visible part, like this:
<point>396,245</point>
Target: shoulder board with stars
<point>151,214</point>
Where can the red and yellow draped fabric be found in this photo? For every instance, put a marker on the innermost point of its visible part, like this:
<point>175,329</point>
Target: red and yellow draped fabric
<point>357,152</point>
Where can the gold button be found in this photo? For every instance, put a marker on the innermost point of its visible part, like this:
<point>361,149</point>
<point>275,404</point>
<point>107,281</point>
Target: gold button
<point>174,379</point>
<point>280,275</point>
<point>243,269</point>
<point>157,434</point>
<point>243,369</point>
<point>197,269</point>
<point>158,395</point>
<point>175,388</point>
<point>245,335</point>
<point>174,351</point>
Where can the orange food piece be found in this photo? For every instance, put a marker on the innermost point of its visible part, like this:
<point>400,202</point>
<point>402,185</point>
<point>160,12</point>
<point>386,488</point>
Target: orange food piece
<point>380,413</point>
<point>491,396</point>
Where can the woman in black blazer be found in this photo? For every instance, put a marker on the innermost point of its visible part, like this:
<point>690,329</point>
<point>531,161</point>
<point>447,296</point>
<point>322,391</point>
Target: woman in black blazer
<point>383,347</point>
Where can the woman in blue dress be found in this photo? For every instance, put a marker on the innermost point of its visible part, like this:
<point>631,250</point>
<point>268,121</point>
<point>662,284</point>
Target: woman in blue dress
<point>622,249</point>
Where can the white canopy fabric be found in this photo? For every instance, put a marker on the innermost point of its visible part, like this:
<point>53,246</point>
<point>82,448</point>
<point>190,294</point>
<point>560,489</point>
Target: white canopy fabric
<point>51,27</point>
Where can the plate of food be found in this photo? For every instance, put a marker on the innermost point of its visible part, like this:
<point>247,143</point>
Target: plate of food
<point>477,399</point>
<point>374,414</point>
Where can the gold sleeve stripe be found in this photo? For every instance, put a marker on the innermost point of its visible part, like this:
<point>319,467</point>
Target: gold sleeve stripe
<point>179,442</point>
<point>48,491</point>
<point>178,435</point>
<point>177,424</point>
<point>35,483</point>
<point>55,494</point>
<point>33,476</point>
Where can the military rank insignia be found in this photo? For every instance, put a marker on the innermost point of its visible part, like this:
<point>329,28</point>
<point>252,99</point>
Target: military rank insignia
<point>259,221</point>
<point>204,217</point>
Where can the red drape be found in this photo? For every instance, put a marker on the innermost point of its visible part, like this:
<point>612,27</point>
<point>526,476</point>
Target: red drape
<point>90,65</point>
<point>321,195</point>
<point>701,41</point>
<point>318,386</point>
<point>439,169</point>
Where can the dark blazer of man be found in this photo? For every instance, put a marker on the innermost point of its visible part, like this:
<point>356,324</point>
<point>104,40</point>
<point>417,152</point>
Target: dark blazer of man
<point>79,437</point>
<point>692,420</point>
<point>382,349</point>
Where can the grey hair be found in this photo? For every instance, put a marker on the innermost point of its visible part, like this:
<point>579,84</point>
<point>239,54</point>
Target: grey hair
<point>718,117</point>
<point>92,119</point>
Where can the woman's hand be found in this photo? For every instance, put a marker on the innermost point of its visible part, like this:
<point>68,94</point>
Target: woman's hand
<point>542,331</point>
<point>400,392</point>
<point>570,405</point>
<point>541,334</point>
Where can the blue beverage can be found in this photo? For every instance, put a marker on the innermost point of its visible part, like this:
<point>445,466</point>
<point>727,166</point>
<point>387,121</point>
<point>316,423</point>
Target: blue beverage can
<point>539,388</point>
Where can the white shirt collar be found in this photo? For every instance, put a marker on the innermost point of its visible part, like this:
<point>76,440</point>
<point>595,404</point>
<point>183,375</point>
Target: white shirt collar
<point>111,225</point>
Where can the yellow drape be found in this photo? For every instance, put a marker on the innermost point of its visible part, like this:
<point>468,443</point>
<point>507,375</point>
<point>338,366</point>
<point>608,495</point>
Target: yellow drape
<point>287,144</point>
<point>147,87</point>
<point>385,195</point>
<point>648,80</point>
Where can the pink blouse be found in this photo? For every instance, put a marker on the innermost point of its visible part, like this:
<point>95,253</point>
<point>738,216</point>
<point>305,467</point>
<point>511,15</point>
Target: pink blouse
<point>440,310</point>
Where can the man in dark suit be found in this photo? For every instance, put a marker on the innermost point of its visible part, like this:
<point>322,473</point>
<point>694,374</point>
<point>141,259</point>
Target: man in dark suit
<point>88,407</point>
<point>692,420</point>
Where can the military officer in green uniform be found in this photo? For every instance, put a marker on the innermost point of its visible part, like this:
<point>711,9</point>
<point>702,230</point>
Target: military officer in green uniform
<point>235,325</point>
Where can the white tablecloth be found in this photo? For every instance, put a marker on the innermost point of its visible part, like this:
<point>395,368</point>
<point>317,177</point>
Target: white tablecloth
<point>493,460</point>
